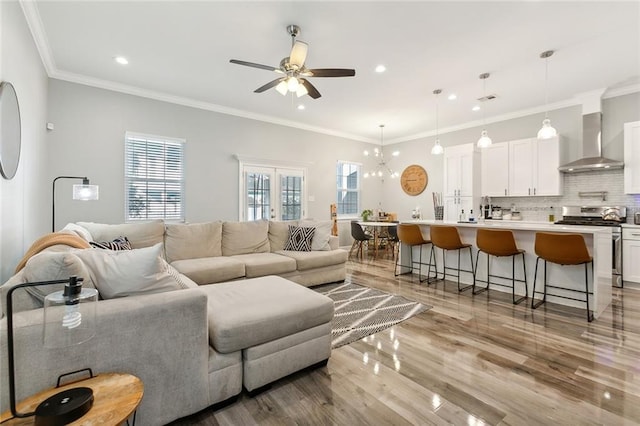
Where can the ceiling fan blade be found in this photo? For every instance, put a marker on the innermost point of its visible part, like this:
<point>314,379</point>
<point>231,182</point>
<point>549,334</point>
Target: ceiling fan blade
<point>330,72</point>
<point>269,85</point>
<point>254,65</point>
<point>298,53</point>
<point>311,90</point>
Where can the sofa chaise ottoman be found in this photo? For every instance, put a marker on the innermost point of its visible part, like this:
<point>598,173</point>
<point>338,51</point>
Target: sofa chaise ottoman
<point>278,326</point>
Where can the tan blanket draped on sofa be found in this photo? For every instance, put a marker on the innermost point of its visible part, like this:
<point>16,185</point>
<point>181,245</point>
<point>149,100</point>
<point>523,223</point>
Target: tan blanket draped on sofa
<point>49,240</point>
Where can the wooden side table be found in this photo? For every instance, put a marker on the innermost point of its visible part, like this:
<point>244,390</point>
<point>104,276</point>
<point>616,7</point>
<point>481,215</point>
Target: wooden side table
<point>116,397</point>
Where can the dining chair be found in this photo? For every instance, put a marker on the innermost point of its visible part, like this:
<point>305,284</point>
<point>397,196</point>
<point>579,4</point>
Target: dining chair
<point>359,238</point>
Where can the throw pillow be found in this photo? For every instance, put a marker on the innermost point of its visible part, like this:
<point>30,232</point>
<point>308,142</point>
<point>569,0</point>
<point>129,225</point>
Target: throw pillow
<point>79,231</point>
<point>321,236</point>
<point>120,243</point>
<point>128,272</point>
<point>299,238</point>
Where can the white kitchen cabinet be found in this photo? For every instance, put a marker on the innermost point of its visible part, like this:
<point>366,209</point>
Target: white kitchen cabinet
<point>631,254</point>
<point>495,170</point>
<point>533,167</point>
<point>461,179</point>
<point>632,158</point>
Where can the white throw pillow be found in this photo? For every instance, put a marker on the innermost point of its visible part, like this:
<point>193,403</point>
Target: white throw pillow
<point>79,231</point>
<point>128,272</point>
<point>321,236</point>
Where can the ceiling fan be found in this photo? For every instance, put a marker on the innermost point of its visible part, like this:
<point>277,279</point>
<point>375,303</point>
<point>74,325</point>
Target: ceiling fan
<point>295,73</point>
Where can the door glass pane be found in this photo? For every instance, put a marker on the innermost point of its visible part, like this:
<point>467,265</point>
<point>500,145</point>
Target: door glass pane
<point>290,197</point>
<point>258,197</point>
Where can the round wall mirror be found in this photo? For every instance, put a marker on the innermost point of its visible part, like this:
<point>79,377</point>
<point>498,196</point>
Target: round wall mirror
<point>9,130</point>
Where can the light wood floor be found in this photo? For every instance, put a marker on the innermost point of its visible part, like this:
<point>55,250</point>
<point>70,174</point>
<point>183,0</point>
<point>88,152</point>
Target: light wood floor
<point>471,360</point>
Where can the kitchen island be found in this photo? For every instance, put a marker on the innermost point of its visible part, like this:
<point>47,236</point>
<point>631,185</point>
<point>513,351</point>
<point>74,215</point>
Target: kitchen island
<point>597,238</point>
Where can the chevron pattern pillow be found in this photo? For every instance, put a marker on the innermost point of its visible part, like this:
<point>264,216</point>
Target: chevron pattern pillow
<point>299,238</point>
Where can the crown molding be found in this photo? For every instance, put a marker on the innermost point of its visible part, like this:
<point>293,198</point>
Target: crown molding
<point>188,102</point>
<point>34,22</point>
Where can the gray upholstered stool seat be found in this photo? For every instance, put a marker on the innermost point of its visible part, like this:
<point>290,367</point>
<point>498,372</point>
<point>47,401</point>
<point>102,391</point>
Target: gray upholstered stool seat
<point>280,326</point>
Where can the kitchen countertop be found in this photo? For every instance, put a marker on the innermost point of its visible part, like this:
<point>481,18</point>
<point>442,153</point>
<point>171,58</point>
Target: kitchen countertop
<point>630,225</point>
<point>520,225</point>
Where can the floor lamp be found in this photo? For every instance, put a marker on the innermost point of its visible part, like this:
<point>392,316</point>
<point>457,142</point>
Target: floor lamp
<point>69,319</point>
<point>86,192</point>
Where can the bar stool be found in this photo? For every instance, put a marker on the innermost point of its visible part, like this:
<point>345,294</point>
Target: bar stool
<point>447,238</point>
<point>411,235</point>
<point>562,249</point>
<point>500,243</point>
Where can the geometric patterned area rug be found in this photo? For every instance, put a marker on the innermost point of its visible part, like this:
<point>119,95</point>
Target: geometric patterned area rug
<point>361,311</point>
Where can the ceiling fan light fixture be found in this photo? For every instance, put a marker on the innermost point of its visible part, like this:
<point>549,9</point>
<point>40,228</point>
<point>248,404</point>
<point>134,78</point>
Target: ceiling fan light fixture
<point>282,88</point>
<point>301,90</point>
<point>292,84</point>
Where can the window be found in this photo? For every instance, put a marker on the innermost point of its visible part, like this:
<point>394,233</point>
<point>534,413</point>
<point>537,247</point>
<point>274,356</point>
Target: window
<point>348,188</point>
<point>153,178</point>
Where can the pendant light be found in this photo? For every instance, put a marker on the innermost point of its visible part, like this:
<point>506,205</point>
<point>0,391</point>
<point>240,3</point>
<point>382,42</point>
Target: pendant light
<point>547,131</point>
<point>437,148</point>
<point>485,140</point>
<point>382,168</point>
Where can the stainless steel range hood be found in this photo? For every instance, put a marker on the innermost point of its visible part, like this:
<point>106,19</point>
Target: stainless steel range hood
<point>592,158</point>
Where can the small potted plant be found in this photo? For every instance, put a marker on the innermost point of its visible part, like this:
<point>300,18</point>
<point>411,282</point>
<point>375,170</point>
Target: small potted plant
<point>365,214</point>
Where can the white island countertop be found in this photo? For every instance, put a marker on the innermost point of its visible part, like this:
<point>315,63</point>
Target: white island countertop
<point>518,225</point>
<point>597,239</point>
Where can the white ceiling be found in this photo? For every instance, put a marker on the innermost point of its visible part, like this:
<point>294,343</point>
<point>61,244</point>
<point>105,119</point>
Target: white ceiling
<point>180,51</point>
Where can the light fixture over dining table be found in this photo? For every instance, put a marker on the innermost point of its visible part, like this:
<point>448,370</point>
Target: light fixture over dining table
<point>382,170</point>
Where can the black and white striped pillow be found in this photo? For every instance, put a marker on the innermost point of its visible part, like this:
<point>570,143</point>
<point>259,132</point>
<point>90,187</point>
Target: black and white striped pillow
<point>120,243</point>
<point>299,238</point>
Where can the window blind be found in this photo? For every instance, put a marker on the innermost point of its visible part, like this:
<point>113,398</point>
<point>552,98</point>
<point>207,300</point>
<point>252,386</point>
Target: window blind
<point>154,178</point>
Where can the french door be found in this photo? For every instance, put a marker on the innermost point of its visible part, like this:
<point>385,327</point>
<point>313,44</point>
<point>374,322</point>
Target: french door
<point>272,193</point>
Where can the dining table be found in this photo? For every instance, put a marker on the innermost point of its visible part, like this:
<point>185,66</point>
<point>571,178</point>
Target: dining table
<point>377,229</point>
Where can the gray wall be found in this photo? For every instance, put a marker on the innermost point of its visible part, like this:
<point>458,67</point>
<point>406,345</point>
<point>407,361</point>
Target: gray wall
<point>23,204</point>
<point>88,139</point>
<point>90,124</point>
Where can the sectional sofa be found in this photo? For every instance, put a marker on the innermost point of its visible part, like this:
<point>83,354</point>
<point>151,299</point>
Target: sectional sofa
<point>210,308</point>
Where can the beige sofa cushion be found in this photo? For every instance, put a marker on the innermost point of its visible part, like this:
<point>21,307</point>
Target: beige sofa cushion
<point>279,233</point>
<point>193,241</point>
<point>141,234</point>
<point>209,270</point>
<point>247,313</point>
<point>306,260</point>
<point>245,237</point>
<point>261,264</point>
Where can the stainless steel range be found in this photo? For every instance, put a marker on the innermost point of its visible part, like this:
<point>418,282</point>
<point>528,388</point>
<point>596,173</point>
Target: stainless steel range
<point>613,216</point>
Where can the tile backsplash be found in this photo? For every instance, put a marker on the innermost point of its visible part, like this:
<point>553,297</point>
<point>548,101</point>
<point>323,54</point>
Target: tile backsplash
<point>611,182</point>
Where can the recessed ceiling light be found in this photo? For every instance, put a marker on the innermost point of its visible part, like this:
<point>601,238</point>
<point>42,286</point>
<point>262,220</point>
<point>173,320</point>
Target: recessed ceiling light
<point>476,108</point>
<point>300,107</point>
<point>452,97</point>
<point>121,60</point>
<point>381,68</point>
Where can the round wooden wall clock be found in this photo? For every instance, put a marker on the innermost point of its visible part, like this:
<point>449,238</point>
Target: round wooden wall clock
<point>414,180</point>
